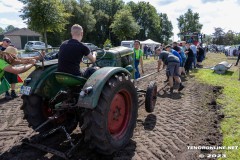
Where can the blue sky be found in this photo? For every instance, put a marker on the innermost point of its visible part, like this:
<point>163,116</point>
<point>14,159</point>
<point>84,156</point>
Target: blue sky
<point>213,13</point>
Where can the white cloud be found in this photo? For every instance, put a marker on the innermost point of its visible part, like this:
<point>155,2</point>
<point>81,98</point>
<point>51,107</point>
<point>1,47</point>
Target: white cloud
<point>10,14</point>
<point>4,22</point>
<point>10,6</point>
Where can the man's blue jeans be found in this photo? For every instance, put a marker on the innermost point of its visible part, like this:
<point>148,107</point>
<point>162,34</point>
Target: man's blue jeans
<point>137,73</point>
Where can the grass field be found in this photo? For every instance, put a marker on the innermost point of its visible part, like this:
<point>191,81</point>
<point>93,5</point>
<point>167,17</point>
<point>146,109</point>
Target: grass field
<point>230,100</point>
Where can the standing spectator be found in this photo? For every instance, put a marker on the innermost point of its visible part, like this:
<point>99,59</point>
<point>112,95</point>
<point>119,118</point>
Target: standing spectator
<point>149,52</point>
<point>138,58</point>
<point>11,78</point>
<point>184,46</point>
<point>155,48</point>
<point>173,64</point>
<point>200,55</point>
<point>190,58</point>
<point>145,48</point>
<point>194,49</point>
<point>238,56</point>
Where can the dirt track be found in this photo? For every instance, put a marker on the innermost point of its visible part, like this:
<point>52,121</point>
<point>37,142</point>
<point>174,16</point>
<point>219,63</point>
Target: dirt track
<point>189,118</point>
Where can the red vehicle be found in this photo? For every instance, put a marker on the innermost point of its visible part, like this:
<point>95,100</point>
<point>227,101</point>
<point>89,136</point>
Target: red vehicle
<point>192,37</point>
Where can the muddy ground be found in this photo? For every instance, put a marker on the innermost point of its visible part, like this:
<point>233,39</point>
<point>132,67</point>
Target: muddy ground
<point>188,118</point>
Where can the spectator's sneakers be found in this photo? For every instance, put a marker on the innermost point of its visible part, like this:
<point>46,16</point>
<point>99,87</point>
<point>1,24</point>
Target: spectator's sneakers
<point>13,94</point>
<point>165,81</point>
<point>7,96</point>
<point>181,87</point>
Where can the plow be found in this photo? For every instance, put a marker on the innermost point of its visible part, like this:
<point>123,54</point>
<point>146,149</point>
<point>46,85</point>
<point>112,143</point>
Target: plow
<point>104,106</point>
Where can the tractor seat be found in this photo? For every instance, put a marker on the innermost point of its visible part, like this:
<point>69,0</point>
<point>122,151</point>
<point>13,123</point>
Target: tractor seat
<point>69,80</point>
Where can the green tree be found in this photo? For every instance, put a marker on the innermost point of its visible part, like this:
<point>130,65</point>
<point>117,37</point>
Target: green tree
<point>237,38</point>
<point>166,29</point>
<point>124,25</point>
<point>104,11</point>
<point>207,39</point>
<point>189,22</point>
<point>218,36</point>
<point>147,18</point>
<point>1,30</point>
<point>229,38</point>
<point>9,28</point>
<point>44,16</point>
<point>82,14</point>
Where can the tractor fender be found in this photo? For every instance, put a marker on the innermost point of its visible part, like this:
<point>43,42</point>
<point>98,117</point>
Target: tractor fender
<point>38,79</point>
<point>97,81</point>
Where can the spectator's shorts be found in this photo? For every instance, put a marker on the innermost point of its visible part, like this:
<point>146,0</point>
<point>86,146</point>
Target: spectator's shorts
<point>11,78</point>
<point>173,68</point>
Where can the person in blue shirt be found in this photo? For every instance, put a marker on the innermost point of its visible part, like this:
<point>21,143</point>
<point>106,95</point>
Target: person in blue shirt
<point>175,53</point>
<point>194,49</point>
<point>173,63</point>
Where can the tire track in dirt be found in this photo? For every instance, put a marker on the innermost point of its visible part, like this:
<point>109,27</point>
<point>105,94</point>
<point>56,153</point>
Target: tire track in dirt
<point>163,134</point>
<point>12,125</point>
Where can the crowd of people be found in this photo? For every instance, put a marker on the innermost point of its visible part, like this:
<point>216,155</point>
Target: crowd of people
<point>177,58</point>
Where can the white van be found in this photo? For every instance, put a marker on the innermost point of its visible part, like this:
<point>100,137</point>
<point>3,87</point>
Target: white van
<point>128,44</point>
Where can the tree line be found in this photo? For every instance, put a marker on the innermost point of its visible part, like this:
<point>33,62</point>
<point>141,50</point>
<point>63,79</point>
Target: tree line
<point>111,21</point>
<point>102,20</point>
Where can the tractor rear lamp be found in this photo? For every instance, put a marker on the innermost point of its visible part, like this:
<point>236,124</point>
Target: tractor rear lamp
<point>86,91</point>
<point>27,80</point>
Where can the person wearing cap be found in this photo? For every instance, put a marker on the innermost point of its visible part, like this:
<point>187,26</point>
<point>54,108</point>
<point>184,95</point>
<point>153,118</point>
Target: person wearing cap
<point>5,43</point>
<point>11,76</point>
<point>173,63</point>
<point>6,65</point>
<point>138,58</point>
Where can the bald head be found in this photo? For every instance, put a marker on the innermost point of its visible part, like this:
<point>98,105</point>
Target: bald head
<point>77,32</point>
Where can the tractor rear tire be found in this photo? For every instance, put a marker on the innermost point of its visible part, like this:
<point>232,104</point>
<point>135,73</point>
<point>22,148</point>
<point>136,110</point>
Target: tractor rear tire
<point>151,97</point>
<point>113,120</point>
<point>36,113</point>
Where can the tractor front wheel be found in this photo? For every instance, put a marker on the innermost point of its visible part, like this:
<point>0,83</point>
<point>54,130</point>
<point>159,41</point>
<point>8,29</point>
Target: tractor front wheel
<point>113,120</point>
<point>151,97</point>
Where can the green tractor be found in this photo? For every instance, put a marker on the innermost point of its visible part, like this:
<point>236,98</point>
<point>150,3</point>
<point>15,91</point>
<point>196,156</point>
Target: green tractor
<point>105,106</point>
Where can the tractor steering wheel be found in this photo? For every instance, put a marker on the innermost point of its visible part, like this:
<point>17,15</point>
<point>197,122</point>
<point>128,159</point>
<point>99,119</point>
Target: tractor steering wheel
<point>86,61</point>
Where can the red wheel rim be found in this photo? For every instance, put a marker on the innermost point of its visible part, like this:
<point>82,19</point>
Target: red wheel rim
<point>119,113</point>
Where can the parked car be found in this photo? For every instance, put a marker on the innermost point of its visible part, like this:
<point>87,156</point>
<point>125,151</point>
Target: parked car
<point>31,45</point>
<point>91,46</point>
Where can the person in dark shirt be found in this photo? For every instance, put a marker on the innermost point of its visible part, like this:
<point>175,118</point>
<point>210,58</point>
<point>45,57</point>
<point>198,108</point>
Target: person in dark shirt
<point>190,58</point>
<point>173,64</point>
<point>200,55</point>
<point>238,56</point>
<point>71,53</point>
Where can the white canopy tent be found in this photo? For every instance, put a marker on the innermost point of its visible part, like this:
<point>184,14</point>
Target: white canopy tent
<point>150,43</point>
